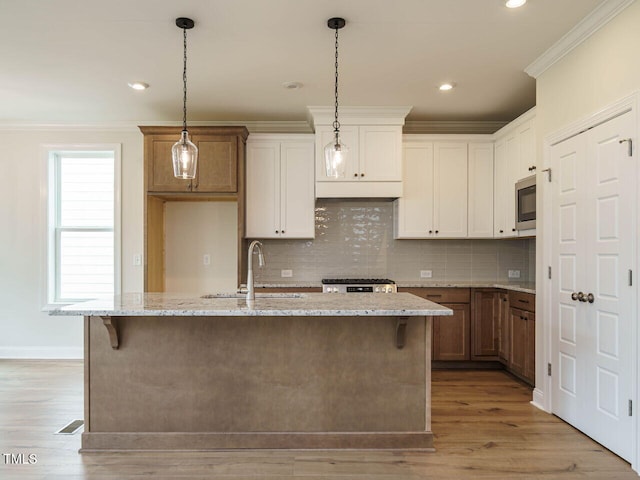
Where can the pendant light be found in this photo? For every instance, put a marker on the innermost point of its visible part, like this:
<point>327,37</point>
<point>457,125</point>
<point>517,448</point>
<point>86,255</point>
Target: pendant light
<point>335,153</point>
<point>184,152</point>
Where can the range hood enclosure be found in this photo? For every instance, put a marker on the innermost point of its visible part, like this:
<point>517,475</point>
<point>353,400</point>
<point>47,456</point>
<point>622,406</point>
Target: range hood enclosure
<point>374,138</point>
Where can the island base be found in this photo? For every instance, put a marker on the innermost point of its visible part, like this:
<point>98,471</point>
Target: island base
<point>422,441</point>
<point>291,382</point>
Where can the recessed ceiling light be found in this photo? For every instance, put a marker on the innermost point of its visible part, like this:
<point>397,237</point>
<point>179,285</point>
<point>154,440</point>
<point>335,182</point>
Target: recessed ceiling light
<point>139,85</point>
<point>515,3</point>
<point>447,86</point>
<point>292,85</point>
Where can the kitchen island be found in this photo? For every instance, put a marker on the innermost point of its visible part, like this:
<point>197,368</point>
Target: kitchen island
<point>295,371</point>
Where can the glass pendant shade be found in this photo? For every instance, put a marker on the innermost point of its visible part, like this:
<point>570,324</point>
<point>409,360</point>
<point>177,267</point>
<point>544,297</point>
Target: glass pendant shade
<point>185,157</point>
<point>335,158</point>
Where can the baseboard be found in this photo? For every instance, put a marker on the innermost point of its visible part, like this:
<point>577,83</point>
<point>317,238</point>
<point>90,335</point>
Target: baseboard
<point>538,399</point>
<point>42,353</point>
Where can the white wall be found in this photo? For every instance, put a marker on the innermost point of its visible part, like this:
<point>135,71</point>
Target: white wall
<point>601,71</point>
<point>26,331</point>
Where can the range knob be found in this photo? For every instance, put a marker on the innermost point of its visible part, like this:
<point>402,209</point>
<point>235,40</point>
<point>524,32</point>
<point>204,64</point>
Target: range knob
<point>378,290</point>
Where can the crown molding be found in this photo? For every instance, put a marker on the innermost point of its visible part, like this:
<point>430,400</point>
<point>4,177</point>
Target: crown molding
<point>253,126</point>
<point>525,117</point>
<point>358,115</point>
<point>589,25</point>
<point>457,127</point>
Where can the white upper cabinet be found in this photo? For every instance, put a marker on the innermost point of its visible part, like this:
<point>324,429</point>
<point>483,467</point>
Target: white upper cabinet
<point>434,200</point>
<point>480,193</point>
<point>280,181</point>
<point>515,159</point>
<point>413,212</point>
<point>374,138</point>
<point>450,169</point>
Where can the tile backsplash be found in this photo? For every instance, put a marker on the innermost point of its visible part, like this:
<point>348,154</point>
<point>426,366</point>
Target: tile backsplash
<point>354,238</point>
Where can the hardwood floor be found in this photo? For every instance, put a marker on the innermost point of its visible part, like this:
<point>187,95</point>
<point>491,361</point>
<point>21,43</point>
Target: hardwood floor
<point>483,423</point>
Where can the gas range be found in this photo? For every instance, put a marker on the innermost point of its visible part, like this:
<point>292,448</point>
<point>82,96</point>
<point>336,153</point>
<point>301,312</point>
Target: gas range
<point>358,285</point>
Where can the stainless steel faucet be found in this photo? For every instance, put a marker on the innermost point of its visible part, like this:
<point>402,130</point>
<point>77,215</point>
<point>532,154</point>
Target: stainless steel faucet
<point>251,294</point>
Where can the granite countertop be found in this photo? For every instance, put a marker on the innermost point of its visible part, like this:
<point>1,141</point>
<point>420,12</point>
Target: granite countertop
<point>269,305</point>
<point>526,287</point>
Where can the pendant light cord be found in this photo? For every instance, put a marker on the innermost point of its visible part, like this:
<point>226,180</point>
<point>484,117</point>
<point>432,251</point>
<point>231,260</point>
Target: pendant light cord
<point>184,83</point>
<point>336,124</point>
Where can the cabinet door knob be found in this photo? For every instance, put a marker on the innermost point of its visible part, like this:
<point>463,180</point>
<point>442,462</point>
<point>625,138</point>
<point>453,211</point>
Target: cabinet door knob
<point>355,174</point>
<point>277,231</point>
<point>362,174</point>
<point>282,231</point>
<point>513,229</point>
<point>501,231</point>
<point>437,231</point>
<point>430,231</point>
<point>532,168</point>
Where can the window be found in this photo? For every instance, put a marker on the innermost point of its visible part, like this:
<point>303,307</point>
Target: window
<point>83,224</point>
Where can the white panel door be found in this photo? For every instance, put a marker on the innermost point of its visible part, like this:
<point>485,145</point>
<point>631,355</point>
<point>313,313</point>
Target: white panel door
<point>263,190</point>
<point>450,190</point>
<point>568,160</point>
<point>593,239</point>
<point>297,199</point>
<point>414,210</point>
<point>480,218</point>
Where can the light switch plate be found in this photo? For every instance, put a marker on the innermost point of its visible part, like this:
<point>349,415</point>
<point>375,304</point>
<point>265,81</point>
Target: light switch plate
<point>137,260</point>
<point>514,273</point>
<point>206,259</point>
<point>426,273</point>
<point>286,273</point>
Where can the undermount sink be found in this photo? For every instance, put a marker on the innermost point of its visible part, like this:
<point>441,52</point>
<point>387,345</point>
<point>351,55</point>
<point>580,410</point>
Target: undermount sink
<point>258,295</point>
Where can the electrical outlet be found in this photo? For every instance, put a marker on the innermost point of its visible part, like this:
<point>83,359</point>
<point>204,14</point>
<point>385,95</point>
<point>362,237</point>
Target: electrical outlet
<point>286,273</point>
<point>426,273</point>
<point>206,259</point>
<point>137,260</point>
<point>514,273</point>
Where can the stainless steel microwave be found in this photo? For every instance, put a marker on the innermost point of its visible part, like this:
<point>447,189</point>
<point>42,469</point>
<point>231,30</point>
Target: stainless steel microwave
<point>526,203</point>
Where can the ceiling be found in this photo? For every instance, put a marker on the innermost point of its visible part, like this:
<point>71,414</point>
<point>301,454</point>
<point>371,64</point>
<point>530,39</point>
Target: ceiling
<point>69,61</point>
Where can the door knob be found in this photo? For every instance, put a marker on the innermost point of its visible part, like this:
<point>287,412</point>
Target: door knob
<point>574,296</point>
<point>582,297</point>
<point>590,297</point>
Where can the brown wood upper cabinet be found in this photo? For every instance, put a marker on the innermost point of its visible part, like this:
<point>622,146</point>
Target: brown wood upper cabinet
<point>218,153</point>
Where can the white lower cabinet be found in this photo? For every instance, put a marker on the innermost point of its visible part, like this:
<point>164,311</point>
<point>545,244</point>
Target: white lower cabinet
<point>280,186</point>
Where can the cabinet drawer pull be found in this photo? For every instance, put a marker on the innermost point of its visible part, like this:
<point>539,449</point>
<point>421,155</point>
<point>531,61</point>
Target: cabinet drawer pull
<point>523,301</point>
<point>434,295</point>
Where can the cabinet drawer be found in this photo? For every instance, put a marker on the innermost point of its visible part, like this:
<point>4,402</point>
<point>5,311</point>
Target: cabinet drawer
<point>441,295</point>
<point>523,301</point>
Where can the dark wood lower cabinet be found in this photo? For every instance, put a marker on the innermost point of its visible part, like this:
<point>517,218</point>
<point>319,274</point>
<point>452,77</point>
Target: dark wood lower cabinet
<point>523,344</point>
<point>486,328</point>
<point>504,332</point>
<point>451,334</point>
